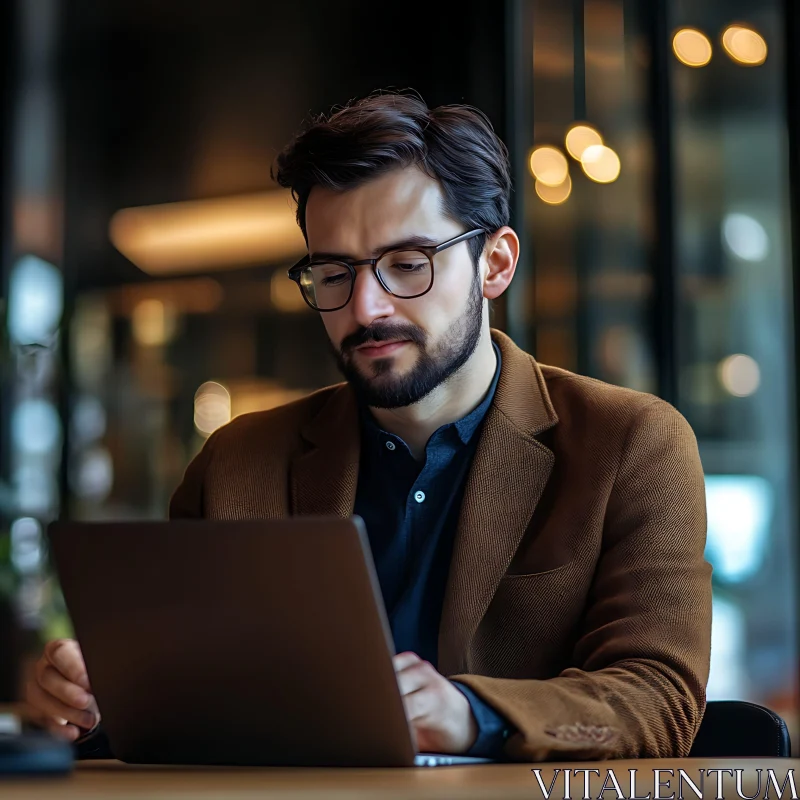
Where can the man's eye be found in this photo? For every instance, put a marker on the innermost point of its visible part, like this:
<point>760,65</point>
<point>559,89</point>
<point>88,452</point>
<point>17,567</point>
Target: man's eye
<point>410,266</point>
<point>335,280</point>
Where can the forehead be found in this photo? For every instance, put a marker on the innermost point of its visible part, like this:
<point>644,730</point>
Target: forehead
<point>400,204</point>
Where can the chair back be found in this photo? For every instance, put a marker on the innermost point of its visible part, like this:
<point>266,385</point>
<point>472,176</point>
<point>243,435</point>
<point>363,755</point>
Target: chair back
<point>735,728</point>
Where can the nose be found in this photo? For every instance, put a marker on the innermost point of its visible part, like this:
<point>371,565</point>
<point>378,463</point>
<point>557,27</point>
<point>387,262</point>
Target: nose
<point>370,300</point>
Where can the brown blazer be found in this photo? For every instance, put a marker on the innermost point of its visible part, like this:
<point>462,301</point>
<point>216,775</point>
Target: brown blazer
<point>578,602</point>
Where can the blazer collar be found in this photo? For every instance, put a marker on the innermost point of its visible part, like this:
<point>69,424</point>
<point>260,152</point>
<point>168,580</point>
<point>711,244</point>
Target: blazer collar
<point>508,475</point>
<point>324,476</point>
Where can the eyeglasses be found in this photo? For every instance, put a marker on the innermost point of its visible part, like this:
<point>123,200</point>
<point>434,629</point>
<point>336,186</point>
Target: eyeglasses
<point>405,273</point>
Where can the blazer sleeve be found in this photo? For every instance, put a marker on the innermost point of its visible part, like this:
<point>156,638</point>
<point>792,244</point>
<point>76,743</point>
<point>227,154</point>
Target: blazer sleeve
<point>187,500</point>
<point>639,667</point>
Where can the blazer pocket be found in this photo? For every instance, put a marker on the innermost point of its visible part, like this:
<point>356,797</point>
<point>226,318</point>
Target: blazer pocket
<point>532,575</point>
<point>530,625</point>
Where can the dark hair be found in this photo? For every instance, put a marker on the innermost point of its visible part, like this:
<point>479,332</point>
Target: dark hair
<point>455,144</point>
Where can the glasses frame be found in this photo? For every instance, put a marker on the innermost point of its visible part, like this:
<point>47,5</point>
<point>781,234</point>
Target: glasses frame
<point>304,263</point>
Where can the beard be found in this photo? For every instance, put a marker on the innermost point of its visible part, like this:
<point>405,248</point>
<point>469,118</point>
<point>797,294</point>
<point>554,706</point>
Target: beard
<point>384,388</point>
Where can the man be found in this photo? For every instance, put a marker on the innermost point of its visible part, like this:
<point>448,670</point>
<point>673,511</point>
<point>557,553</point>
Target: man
<point>538,535</point>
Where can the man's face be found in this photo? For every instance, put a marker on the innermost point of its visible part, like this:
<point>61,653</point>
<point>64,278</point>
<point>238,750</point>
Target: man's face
<point>394,351</point>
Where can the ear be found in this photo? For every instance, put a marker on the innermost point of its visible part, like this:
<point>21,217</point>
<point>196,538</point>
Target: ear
<point>502,253</point>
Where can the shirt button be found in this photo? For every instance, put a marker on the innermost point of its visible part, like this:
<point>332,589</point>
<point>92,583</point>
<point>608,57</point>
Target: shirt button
<point>419,497</point>
<point>390,445</point>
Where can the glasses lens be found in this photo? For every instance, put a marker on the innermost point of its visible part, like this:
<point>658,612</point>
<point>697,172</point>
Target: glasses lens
<point>326,286</point>
<point>406,273</point>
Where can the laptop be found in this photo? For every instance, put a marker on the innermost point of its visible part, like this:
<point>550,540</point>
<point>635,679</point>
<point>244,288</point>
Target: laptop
<point>237,643</point>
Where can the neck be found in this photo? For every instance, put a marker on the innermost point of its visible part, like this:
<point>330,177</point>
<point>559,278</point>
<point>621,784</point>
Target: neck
<point>460,394</point>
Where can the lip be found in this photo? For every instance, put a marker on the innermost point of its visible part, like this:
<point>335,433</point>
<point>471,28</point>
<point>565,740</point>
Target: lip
<point>380,349</point>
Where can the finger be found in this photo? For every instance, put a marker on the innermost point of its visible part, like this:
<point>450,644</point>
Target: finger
<point>40,666</point>
<point>65,731</point>
<point>416,677</point>
<point>65,655</point>
<point>69,693</point>
<point>417,705</point>
<point>53,682</point>
<point>404,660</point>
<point>54,709</point>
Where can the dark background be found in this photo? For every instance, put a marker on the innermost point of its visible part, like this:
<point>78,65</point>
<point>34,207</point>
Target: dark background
<point>166,102</point>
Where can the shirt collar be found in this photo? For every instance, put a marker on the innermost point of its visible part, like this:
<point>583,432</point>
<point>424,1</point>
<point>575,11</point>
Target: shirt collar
<point>465,427</point>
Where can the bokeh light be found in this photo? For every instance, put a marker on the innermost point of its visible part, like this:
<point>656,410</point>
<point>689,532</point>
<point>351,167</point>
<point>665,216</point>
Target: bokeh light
<point>744,45</point>
<point>92,476</point>
<point>549,166</point>
<point>212,407</point>
<point>154,322</point>
<point>740,509</point>
<point>740,375</point>
<point>745,237</point>
<point>601,163</point>
<point>36,488</point>
<point>692,47</point>
<point>579,137</point>
<point>26,545</point>
<point>36,427</point>
<point>89,420</point>
<point>35,301</point>
<point>554,195</point>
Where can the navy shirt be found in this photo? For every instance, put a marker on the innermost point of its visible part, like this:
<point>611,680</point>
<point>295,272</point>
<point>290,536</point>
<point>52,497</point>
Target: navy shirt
<point>411,512</point>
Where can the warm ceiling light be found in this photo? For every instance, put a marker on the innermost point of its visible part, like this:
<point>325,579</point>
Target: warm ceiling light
<point>554,195</point>
<point>744,45</point>
<point>692,47</point>
<point>549,166</point>
<point>601,163</point>
<point>201,235</point>
<point>579,137</point>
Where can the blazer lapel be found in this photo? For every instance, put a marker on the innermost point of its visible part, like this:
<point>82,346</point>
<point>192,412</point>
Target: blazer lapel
<point>506,480</point>
<point>324,477</point>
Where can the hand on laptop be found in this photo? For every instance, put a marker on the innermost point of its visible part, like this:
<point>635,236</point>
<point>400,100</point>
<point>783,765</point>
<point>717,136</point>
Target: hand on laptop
<point>440,715</point>
<point>59,693</point>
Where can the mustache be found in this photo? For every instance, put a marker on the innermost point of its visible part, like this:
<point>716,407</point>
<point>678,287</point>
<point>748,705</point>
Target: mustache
<point>383,333</point>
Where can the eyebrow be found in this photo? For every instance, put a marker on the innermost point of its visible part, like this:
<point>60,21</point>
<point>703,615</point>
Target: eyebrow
<point>412,241</point>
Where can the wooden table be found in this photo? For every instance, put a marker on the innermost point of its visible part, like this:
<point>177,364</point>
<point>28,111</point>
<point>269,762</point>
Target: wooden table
<point>95,779</point>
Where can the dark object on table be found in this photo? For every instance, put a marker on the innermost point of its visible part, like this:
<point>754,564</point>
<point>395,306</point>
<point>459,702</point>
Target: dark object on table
<point>95,745</point>
<point>34,754</point>
<point>737,729</point>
